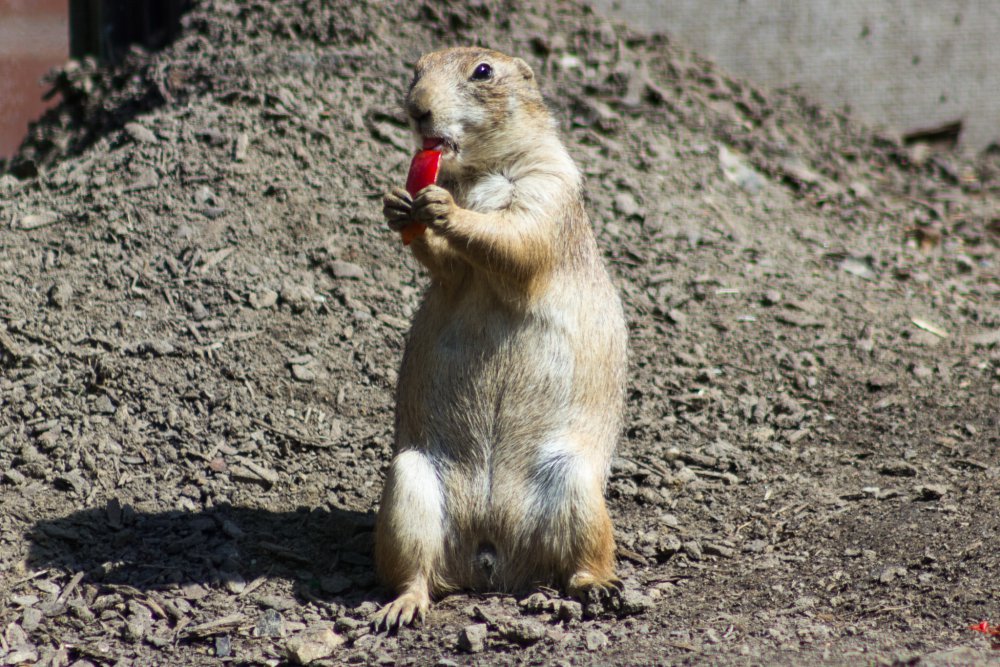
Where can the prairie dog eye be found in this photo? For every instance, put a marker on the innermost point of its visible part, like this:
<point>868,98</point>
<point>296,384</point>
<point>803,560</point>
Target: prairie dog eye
<point>482,72</point>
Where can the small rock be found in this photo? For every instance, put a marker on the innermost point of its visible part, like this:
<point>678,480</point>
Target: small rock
<point>36,220</point>
<point>275,602</point>
<point>234,581</point>
<point>931,491</point>
<point>891,573</point>
<point>157,348</point>
<point>898,469</point>
<point>536,603</point>
<point>31,620</point>
<point>570,611</point>
<point>720,550</point>
<point>862,267</point>
<point>74,481</point>
<point>693,549</point>
<point>668,545</point>
<point>472,638</point>
<point>735,169</point>
<point>262,299</point>
<point>881,381</point>
<point>633,603</point>
<point>313,644</point>
<point>596,639</point>
<point>345,270</point>
<point>103,405</point>
<point>223,646</point>
<point>241,146</point>
<point>626,205</point>
<point>23,654</point>
<point>525,632</point>
<point>198,310</point>
<point>298,297</point>
<point>13,477</point>
<point>140,133</point>
<point>60,295</point>
<point>270,624</point>
<point>303,373</point>
<point>771,297</point>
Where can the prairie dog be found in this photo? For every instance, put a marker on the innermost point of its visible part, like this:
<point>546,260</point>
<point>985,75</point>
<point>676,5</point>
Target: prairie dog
<point>511,389</point>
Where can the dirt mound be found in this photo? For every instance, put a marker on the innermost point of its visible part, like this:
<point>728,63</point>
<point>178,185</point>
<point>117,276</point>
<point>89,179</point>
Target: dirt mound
<point>201,316</point>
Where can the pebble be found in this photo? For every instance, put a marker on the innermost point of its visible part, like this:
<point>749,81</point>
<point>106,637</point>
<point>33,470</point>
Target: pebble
<point>157,348</point>
<point>60,295</point>
<point>891,573</point>
<point>472,638</point>
<point>32,619</point>
<point>14,477</point>
<point>74,481</point>
<point>570,611</point>
<point>303,373</point>
<point>634,603</point>
<point>693,549</point>
<point>270,624</point>
<point>298,297</point>
<point>263,299</point>
<point>103,405</point>
<point>596,639</point>
<point>241,146</point>
<point>22,655</point>
<point>524,632</point>
<point>313,644</point>
<point>931,491</point>
<point>141,133</point>
<point>198,310</point>
<point>626,205</point>
<point>536,603</point>
<point>223,646</point>
<point>898,469</point>
<point>345,270</point>
<point>36,220</point>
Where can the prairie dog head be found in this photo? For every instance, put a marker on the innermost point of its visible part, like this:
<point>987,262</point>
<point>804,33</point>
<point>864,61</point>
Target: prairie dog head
<point>480,107</point>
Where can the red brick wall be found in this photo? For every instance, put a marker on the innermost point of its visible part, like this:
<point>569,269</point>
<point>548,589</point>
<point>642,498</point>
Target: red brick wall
<point>34,36</point>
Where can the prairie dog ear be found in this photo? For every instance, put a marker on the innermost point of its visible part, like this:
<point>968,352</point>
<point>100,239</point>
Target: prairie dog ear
<point>524,69</point>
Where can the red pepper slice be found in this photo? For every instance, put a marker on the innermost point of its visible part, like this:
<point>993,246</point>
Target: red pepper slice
<point>423,172</point>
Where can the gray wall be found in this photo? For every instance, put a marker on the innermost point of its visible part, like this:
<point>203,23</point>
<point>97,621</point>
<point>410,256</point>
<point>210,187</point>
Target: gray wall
<point>902,64</point>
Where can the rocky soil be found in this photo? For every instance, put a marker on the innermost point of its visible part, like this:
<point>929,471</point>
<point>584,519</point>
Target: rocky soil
<point>202,314</point>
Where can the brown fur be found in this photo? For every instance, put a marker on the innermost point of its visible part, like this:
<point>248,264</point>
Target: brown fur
<point>511,389</point>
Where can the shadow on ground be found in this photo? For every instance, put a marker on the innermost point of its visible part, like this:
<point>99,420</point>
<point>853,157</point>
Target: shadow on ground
<point>327,553</point>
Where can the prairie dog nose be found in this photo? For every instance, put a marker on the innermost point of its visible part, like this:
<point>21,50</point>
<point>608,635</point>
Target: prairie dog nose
<point>418,112</point>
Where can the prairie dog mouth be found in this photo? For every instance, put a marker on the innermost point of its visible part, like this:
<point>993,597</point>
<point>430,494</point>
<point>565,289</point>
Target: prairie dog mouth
<point>442,144</point>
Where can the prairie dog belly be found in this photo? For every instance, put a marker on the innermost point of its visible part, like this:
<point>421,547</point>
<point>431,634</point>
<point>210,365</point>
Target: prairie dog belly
<point>479,375</point>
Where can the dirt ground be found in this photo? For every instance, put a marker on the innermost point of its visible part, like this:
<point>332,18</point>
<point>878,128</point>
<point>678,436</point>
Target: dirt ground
<point>202,314</point>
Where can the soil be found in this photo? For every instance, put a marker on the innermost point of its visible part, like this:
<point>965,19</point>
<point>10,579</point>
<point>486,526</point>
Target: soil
<point>202,313</point>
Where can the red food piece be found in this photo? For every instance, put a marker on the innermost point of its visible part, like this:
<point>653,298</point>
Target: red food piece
<point>986,629</point>
<point>423,172</point>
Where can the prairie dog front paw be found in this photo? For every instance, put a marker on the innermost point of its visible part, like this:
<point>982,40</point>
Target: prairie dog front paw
<point>432,206</point>
<point>397,206</point>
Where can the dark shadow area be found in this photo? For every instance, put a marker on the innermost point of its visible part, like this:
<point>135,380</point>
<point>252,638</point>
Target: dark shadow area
<point>327,553</point>
<point>106,29</point>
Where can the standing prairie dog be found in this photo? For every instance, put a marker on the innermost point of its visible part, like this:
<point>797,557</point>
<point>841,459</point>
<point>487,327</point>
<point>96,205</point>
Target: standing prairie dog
<point>511,389</point>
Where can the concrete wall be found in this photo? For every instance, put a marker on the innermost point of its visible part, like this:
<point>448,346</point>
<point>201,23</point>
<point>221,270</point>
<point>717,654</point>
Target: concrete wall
<point>902,64</point>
